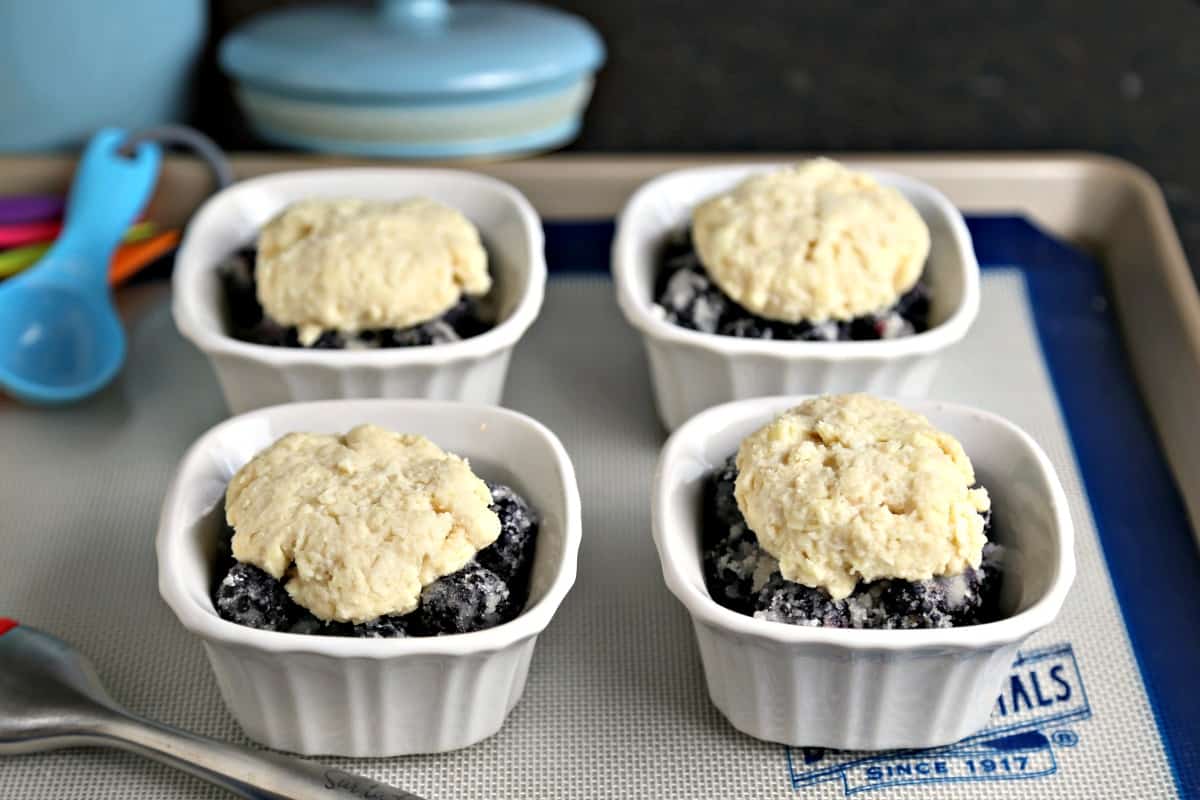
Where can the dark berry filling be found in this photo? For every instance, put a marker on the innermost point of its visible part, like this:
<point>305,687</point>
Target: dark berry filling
<point>690,299</point>
<point>742,577</point>
<point>487,592</point>
<point>248,322</point>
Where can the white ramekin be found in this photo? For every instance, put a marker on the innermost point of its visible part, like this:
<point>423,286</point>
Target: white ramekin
<point>692,371</point>
<point>253,375</point>
<point>370,697</point>
<point>867,689</point>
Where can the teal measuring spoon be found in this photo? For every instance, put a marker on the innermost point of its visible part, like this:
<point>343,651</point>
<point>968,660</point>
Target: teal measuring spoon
<point>60,337</point>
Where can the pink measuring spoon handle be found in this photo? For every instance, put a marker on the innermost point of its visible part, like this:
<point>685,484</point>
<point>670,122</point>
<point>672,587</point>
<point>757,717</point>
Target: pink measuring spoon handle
<point>23,233</point>
<point>30,208</point>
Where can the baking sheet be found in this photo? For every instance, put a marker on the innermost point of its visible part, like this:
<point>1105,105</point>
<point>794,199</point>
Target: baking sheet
<point>616,705</point>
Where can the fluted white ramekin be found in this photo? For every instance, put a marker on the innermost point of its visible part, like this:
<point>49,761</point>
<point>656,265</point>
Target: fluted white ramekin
<point>254,375</point>
<point>867,689</point>
<point>370,697</point>
<point>692,371</point>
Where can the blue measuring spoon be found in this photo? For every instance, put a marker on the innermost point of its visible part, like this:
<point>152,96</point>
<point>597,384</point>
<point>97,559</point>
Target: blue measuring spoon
<point>60,337</point>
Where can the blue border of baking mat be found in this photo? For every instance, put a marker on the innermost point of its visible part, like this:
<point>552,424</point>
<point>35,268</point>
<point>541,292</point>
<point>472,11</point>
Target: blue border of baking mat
<point>1139,514</point>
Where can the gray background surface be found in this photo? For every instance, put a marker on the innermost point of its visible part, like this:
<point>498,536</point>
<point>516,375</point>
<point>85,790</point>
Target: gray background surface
<point>1115,76</point>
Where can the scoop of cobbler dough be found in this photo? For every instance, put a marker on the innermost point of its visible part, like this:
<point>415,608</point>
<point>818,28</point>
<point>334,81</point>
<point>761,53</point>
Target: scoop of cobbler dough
<point>357,525</point>
<point>813,242</point>
<point>349,265</point>
<point>849,488</point>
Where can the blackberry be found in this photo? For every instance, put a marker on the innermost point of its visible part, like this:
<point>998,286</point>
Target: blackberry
<point>306,623</point>
<point>782,600</point>
<point>693,301</point>
<point>733,564</point>
<point>472,599</point>
<point>725,507</point>
<point>941,602</point>
<point>511,555</point>
<point>747,328</point>
<point>251,597</point>
<point>730,569</point>
<point>828,331</point>
<point>991,580</point>
<point>434,332</point>
<point>914,304</point>
<point>328,340</point>
<point>690,299</point>
<point>248,322</point>
<point>391,627</point>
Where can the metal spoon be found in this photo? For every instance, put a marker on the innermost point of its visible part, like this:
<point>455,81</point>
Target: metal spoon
<point>51,697</point>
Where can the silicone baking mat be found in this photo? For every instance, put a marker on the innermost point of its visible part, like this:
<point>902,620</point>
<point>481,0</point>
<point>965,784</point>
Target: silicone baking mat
<point>616,705</point>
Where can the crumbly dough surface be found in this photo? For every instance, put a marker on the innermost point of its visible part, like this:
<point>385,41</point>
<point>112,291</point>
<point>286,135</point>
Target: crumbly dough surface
<point>352,265</point>
<point>845,488</point>
<point>813,242</point>
<point>358,524</point>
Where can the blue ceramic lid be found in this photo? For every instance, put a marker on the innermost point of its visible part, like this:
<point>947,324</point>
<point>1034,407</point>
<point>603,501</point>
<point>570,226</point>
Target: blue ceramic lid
<point>413,50</point>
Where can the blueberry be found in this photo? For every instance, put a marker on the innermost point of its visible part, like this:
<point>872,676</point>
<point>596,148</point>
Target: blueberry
<point>251,597</point>
<point>781,600</point>
<point>511,555</point>
<point>472,599</point>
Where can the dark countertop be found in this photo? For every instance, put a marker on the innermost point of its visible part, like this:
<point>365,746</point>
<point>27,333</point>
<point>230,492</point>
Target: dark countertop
<point>1112,76</point>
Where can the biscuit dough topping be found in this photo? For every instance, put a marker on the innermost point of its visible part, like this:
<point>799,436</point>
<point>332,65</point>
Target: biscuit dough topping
<point>359,523</point>
<point>845,488</point>
<point>811,242</point>
<point>351,265</point>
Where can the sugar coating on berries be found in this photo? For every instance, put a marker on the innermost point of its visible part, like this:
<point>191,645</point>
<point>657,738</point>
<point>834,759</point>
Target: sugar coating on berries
<point>381,628</point>
<point>511,555</point>
<point>736,570</point>
<point>472,599</point>
<point>251,597</point>
<point>796,604</point>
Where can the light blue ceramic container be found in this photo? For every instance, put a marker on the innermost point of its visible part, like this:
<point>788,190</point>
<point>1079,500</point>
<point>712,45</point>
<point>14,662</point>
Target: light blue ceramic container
<point>415,78</point>
<point>71,67</point>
